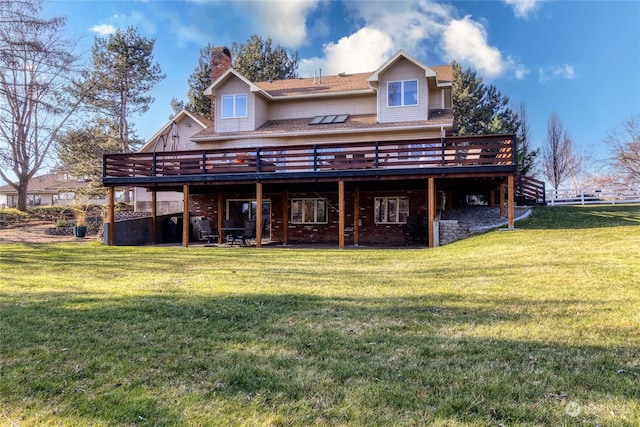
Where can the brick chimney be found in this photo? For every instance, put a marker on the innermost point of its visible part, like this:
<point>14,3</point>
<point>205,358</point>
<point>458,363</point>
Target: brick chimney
<point>220,62</point>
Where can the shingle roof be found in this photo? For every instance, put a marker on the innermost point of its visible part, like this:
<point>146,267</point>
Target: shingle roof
<point>299,126</point>
<point>47,183</point>
<point>312,85</point>
<point>334,83</point>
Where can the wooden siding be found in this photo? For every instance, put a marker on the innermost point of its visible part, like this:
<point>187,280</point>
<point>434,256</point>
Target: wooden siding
<point>235,87</point>
<point>435,98</point>
<point>403,70</point>
<point>354,105</point>
<point>261,111</point>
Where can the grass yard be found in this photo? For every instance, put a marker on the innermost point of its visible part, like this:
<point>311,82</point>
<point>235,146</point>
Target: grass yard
<point>537,326</point>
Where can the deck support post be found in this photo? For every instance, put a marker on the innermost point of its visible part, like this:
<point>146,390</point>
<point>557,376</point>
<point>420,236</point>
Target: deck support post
<point>258,214</point>
<point>492,198</point>
<point>356,217</point>
<point>511,202</point>
<point>111,216</point>
<point>185,216</point>
<point>220,216</point>
<point>503,191</point>
<point>154,217</point>
<point>285,217</point>
<point>431,210</point>
<point>341,214</point>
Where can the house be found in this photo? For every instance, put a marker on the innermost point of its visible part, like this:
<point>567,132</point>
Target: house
<point>55,188</point>
<point>351,159</point>
<point>175,135</point>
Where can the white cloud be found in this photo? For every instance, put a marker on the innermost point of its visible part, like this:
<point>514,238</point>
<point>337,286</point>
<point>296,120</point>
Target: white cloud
<point>557,72</point>
<point>423,28</point>
<point>519,70</point>
<point>119,20</point>
<point>362,51</point>
<point>522,8</point>
<point>465,41</point>
<point>103,29</point>
<point>284,21</point>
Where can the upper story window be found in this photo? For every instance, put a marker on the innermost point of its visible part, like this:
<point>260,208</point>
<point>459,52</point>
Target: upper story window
<point>234,106</point>
<point>402,93</point>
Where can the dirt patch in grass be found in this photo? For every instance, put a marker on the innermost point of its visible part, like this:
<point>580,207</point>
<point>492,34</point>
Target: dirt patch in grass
<point>33,232</point>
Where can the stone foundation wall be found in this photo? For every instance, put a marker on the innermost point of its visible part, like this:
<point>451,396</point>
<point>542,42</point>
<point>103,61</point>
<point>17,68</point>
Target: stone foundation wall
<point>451,230</point>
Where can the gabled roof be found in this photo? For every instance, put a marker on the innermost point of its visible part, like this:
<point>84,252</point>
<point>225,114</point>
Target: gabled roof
<point>198,119</point>
<point>445,76</point>
<point>226,76</point>
<point>47,183</point>
<point>330,85</point>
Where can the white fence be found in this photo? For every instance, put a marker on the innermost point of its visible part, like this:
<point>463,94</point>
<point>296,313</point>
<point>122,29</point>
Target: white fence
<point>593,196</point>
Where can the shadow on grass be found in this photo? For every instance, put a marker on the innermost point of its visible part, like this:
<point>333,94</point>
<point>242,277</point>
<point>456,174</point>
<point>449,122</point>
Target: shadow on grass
<point>576,217</point>
<point>294,359</point>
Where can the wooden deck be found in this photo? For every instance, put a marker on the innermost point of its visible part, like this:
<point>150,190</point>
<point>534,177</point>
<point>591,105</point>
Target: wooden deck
<point>423,157</point>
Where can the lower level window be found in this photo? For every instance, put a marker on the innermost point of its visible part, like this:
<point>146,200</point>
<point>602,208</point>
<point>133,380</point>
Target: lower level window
<point>308,211</point>
<point>391,210</point>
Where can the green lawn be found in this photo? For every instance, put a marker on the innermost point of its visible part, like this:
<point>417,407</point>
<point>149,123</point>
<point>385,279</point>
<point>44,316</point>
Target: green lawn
<point>537,326</point>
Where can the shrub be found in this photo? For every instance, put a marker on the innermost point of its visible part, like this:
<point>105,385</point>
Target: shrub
<point>13,216</point>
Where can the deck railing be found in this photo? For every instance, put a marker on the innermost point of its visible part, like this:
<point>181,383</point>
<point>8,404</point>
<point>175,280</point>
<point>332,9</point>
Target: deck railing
<point>442,152</point>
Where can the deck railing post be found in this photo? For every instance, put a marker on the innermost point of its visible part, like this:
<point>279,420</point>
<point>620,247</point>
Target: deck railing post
<point>204,162</point>
<point>258,160</point>
<point>315,157</point>
<point>104,166</point>
<point>153,164</point>
<point>377,155</point>
<point>443,143</point>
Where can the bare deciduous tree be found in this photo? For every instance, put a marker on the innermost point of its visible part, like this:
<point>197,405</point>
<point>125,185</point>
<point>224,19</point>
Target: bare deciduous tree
<point>624,142</point>
<point>559,161</point>
<point>36,63</point>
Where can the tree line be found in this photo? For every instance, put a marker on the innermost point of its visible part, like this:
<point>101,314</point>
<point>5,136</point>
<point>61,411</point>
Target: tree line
<point>55,108</point>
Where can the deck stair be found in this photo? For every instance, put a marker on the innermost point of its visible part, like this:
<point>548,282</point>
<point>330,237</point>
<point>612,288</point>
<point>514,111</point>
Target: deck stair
<point>529,191</point>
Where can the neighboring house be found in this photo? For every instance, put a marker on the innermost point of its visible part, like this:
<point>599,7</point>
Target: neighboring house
<point>349,158</point>
<point>173,136</point>
<point>56,188</point>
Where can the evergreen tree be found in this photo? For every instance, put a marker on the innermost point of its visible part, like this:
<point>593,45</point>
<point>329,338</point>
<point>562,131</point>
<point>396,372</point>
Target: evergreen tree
<point>527,156</point>
<point>199,80</point>
<point>123,74</point>
<point>479,109</point>
<point>483,110</point>
<point>81,150</point>
<point>258,61</point>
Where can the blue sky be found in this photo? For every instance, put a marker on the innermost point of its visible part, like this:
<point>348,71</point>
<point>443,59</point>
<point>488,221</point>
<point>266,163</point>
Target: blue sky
<point>580,59</point>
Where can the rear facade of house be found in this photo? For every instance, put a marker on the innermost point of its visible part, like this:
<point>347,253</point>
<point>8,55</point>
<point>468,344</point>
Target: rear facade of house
<point>350,159</point>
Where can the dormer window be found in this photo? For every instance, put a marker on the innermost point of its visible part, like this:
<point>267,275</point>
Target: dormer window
<point>234,106</point>
<point>402,93</point>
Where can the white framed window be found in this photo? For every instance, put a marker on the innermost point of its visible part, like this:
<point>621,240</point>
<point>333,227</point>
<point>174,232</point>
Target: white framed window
<point>234,106</point>
<point>391,210</point>
<point>309,211</point>
<point>402,93</point>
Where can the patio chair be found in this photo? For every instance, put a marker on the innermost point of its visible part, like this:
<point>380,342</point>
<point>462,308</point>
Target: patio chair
<point>249,232</point>
<point>204,226</point>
